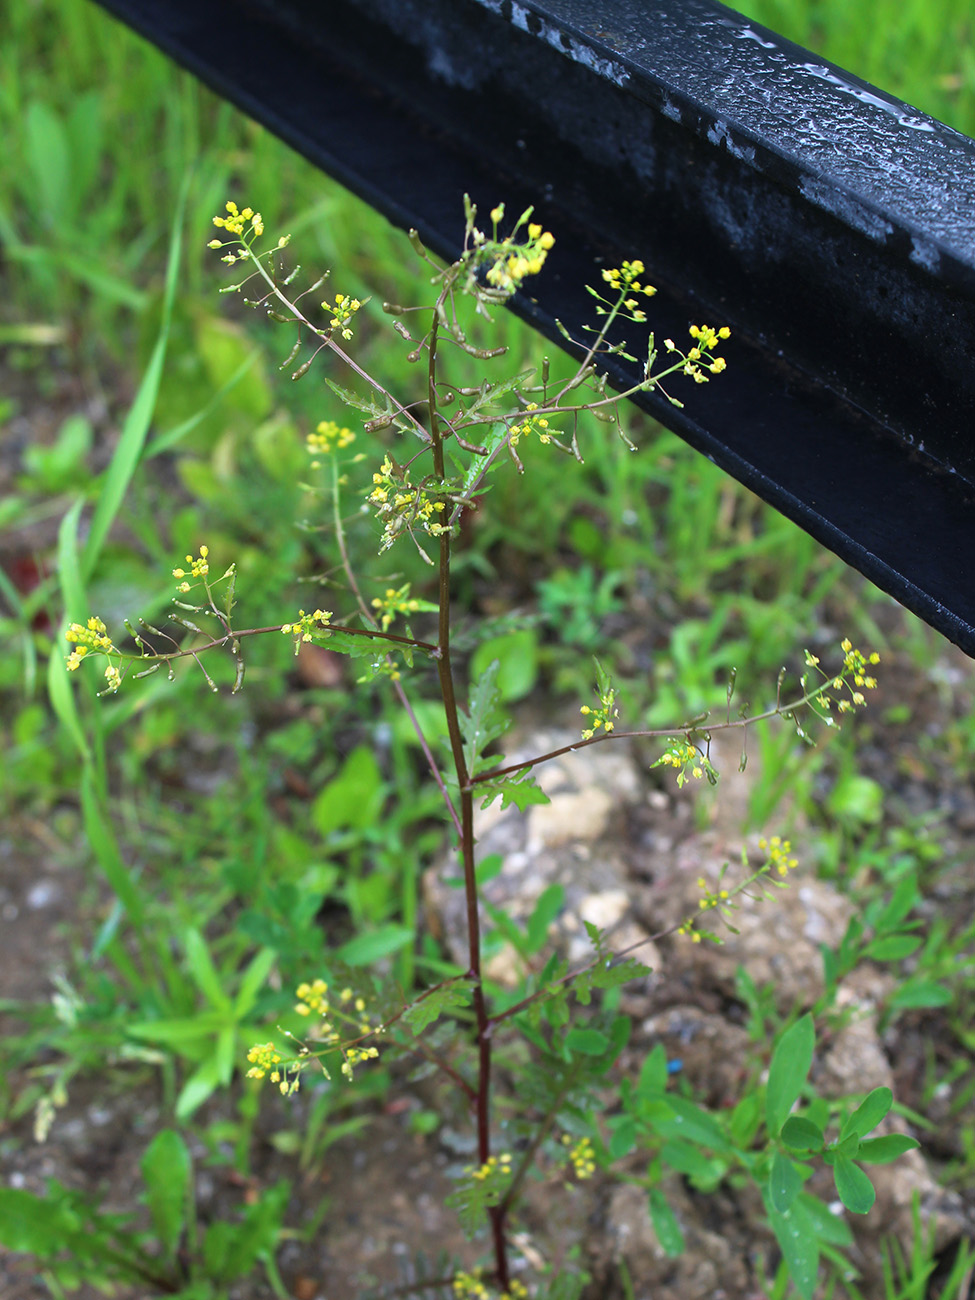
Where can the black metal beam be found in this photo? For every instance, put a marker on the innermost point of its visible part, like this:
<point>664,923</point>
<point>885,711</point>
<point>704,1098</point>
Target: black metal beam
<point>830,225</point>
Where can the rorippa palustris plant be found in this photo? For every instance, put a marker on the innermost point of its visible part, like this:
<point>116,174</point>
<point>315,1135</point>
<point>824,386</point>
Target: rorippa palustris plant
<point>414,468</point>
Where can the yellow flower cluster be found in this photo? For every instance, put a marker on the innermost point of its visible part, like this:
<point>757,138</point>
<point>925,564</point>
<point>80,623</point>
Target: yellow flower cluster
<point>199,568</point>
<point>354,1056</point>
<point>400,505</point>
<point>706,339</point>
<point>493,1165</point>
<point>603,717</point>
<point>708,901</point>
<point>343,311</point>
<point>778,851</point>
<point>394,602</point>
<point>582,1155</point>
<point>469,1286</point>
<point>86,637</point>
<point>266,1063</point>
<point>855,664</point>
<point>235,223</point>
<point>235,220</point>
<point>305,625</point>
<point>626,279</point>
<point>531,424</point>
<point>681,755</point>
<point>313,999</point>
<point>512,261</point>
<point>264,1059</point>
<point>327,436</point>
<point>709,897</point>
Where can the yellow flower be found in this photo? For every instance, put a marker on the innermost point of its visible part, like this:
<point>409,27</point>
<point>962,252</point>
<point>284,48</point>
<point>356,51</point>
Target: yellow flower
<point>87,637</point>
<point>327,436</point>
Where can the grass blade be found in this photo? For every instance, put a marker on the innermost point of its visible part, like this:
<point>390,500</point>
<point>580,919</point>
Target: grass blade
<point>128,453</point>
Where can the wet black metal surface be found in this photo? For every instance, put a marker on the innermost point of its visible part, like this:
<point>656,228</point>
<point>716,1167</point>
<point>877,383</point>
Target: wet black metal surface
<point>830,225</point>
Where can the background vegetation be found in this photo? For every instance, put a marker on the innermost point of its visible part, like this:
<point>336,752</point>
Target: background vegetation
<point>294,815</point>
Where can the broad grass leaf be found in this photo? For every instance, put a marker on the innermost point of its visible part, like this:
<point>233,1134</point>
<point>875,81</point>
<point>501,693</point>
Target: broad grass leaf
<point>166,1171</point>
<point>35,1224</point>
<point>787,1073</point>
<point>665,1224</point>
<point>785,1183</point>
<point>364,949</point>
<point>798,1240</point>
<point>128,452</point>
<point>921,993</point>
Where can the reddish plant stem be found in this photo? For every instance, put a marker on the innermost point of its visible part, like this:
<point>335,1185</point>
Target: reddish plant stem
<point>448,693</point>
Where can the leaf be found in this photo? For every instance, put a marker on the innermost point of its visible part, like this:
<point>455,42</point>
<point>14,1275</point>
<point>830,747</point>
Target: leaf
<point>353,796</point>
<point>901,902</point>
<point>482,722</point>
<point>101,837</point>
<point>520,789</point>
<point>853,1186</point>
<point>201,1084</point>
<point>474,1196</point>
<point>787,1073</point>
<point>357,403</point>
<point>490,437</point>
<point>49,158</point>
<point>203,971</point>
<point>35,1224</point>
<point>921,993</point>
<point>546,909</point>
<point>795,1233</point>
<point>623,1138</point>
<point>653,1072</point>
<point>686,1120</point>
<point>128,452</point>
<point>166,1171</point>
<point>893,947</point>
<point>882,1150</point>
<point>364,949</point>
<point>746,1119</point>
<point>517,656</point>
<point>845,1148</point>
<point>665,1224</point>
<point>868,1114</point>
<point>785,1183</point>
<point>690,1160</point>
<point>347,643</point>
<point>588,1042</point>
<point>438,1001</point>
<point>252,979</point>
<point>827,1226</point>
<point>603,683</point>
<point>73,596</point>
<point>184,1034</point>
<point>802,1134</point>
